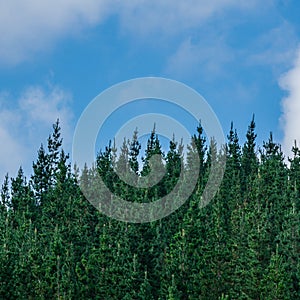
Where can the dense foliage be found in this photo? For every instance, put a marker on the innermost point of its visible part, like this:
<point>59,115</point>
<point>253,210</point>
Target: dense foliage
<point>244,245</point>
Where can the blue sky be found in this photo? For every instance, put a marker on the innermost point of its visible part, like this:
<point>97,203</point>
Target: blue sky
<point>55,57</point>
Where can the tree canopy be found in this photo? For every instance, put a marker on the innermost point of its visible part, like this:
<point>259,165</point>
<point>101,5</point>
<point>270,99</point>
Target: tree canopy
<point>54,244</point>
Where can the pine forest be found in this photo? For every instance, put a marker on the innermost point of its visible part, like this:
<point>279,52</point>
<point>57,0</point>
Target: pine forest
<point>245,244</point>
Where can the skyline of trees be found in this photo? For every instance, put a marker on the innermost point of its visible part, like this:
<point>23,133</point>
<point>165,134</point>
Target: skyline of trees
<point>245,244</point>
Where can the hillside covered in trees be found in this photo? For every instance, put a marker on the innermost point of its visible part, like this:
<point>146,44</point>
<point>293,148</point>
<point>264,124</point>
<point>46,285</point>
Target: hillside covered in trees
<point>244,245</point>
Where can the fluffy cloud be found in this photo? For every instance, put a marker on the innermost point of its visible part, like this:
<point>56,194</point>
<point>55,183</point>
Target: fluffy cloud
<point>290,119</point>
<point>11,153</point>
<point>25,126</point>
<point>205,57</point>
<point>44,107</point>
<point>173,16</point>
<point>29,26</point>
<point>276,47</point>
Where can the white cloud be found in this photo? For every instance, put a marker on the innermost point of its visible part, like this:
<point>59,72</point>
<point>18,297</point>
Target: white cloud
<point>173,16</point>
<point>44,107</point>
<point>30,26</point>
<point>11,153</point>
<point>204,58</point>
<point>290,119</point>
<point>25,126</point>
<point>275,48</point>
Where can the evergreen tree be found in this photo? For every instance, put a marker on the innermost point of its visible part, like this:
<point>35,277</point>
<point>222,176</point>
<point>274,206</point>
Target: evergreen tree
<point>22,200</point>
<point>134,152</point>
<point>243,244</point>
<point>249,160</point>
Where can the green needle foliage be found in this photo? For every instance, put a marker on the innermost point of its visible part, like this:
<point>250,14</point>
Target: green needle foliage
<point>245,244</point>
